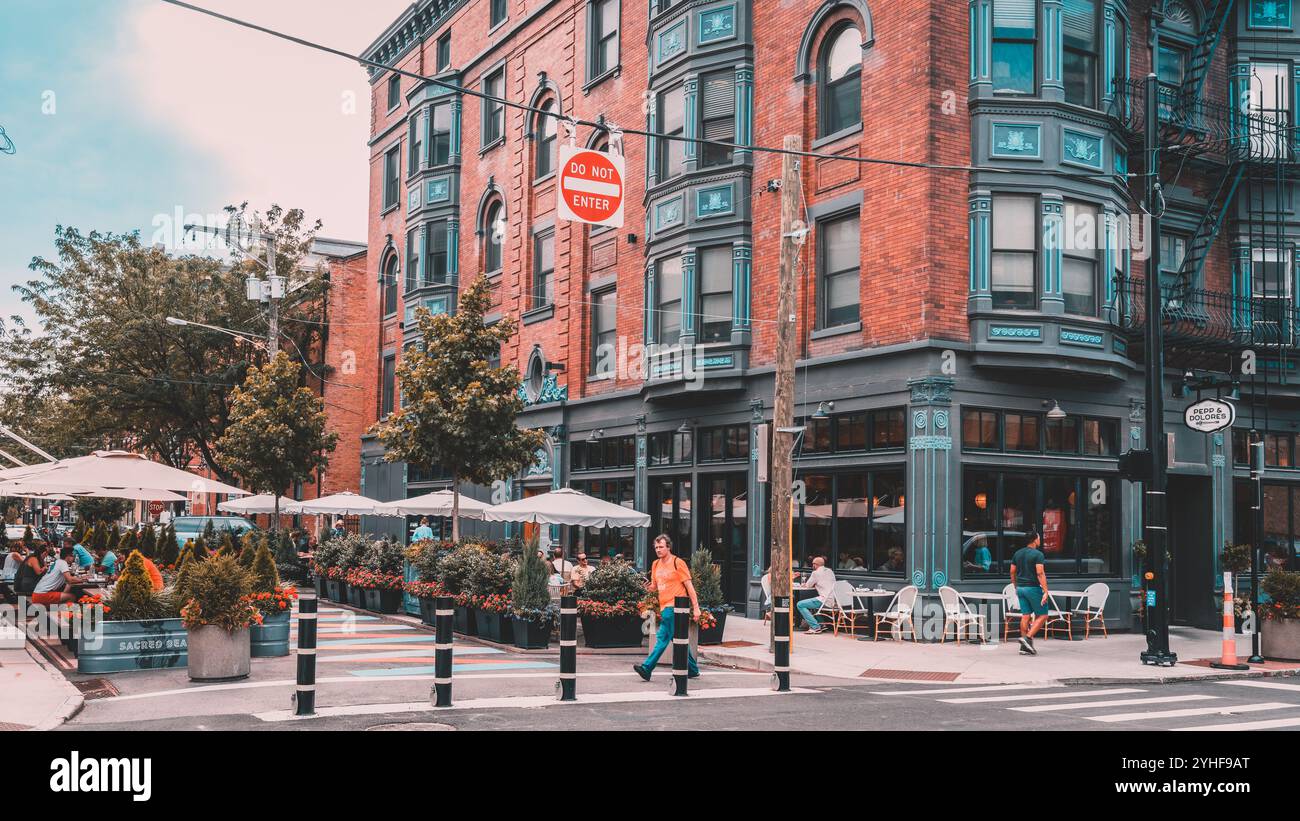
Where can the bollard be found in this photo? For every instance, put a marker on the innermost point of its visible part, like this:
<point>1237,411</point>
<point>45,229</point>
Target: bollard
<point>681,643</point>
<point>1229,659</point>
<point>442,656</point>
<point>568,647</point>
<point>781,637</point>
<point>305,699</point>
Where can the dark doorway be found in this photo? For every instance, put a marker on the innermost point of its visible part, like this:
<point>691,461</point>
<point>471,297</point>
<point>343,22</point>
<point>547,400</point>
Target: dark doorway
<point>724,525</point>
<point>1191,555</point>
<point>670,514</point>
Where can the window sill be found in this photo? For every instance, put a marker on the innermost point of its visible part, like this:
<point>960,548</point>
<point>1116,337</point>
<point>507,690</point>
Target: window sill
<point>499,141</point>
<point>547,177</point>
<point>601,377</point>
<point>837,136</point>
<point>389,208</point>
<point>595,81</point>
<point>493,28</point>
<point>838,330</point>
<point>541,314</point>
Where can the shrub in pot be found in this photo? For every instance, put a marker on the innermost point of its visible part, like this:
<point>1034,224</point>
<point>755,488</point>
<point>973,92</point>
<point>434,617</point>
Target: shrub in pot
<point>707,578</point>
<point>274,601</point>
<point>1281,628</point>
<point>455,574</point>
<point>531,608</point>
<point>325,567</point>
<point>608,606</point>
<point>218,614</point>
<point>379,577</point>
<point>489,584</point>
<point>137,629</point>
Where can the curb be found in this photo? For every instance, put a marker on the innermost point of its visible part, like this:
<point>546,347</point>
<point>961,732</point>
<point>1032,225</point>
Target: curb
<point>71,705</point>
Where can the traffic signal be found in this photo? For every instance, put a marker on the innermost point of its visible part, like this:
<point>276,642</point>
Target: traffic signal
<point>1136,466</point>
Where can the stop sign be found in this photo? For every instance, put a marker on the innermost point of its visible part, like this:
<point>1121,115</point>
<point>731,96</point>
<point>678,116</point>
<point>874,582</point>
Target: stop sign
<point>591,187</point>
<point>55,510</point>
<point>156,508</point>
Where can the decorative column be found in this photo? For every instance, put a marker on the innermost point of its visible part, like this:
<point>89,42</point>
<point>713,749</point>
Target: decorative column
<point>640,493</point>
<point>1239,104</point>
<point>691,119</point>
<point>453,156</point>
<point>742,255</point>
<point>744,112</point>
<point>1051,294</point>
<point>981,48</point>
<point>1112,54</point>
<point>1241,287</point>
<point>756,514</point>
<point>981,252</point>
<point>930,479</point>
<point>1053,67</point>
<point>1109,257</point>
<point>688,299</point>
<point>652,143</point>
<point>453,251</point>
<point>426,132</point>
<point>559,466</point>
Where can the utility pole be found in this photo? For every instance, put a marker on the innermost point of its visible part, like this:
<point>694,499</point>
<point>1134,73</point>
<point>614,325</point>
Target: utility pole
<point>270,291</point>
<point>783,407</point>
<point>276,294</point>
<point>1157,529</point>
<point>1256,549</point>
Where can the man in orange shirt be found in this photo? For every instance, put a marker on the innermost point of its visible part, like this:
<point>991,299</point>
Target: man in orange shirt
<point>671,577</point>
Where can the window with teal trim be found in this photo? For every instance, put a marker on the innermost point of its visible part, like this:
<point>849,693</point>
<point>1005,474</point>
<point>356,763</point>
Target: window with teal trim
<point>668,301</point>
<point>714,276</point>
<point>436,272</point>
<point>855,520</point>
<point>440,135</point>
<point>718,118</point>
<point>1081,41</point>
<point>1015,46</point>
<point>672,121</point>
<point>414,250</point>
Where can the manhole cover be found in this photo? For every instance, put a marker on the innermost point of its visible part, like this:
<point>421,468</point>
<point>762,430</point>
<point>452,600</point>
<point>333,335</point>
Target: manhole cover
<point>94,688</point>
<point>413,725</point>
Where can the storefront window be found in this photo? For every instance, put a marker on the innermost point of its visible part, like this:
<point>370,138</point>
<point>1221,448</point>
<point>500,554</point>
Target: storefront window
<point>979,429</point>
<point>856,521</point>
<point>887,429</point>
<point>1063,435</point>
<point>599,542</point>
<point>851,432</point>
<point>1021,432</point>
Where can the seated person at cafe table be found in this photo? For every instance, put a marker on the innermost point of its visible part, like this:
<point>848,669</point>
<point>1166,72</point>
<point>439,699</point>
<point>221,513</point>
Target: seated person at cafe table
<point>107,561</point>
<point>56,586</point>
<point>30,570</point>
<point>84,559</point>
<point>822,578</point>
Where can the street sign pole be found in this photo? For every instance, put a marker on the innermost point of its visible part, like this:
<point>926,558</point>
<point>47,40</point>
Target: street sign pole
<point>1256,549</point>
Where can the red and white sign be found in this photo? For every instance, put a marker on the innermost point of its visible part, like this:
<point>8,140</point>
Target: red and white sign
<point>591,187</point>
<point>55,511</point>
<point>156,508</point>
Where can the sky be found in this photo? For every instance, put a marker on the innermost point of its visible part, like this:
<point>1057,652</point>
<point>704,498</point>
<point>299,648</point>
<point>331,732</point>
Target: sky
<point>138,115</point>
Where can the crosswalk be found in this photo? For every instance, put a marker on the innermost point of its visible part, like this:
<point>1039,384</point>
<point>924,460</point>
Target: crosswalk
<point>1214,707</point>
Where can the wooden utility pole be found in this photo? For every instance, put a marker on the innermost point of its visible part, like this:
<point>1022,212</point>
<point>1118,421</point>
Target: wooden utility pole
<point>783,411</point>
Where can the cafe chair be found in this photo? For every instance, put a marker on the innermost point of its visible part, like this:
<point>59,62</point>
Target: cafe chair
<point>1057,619</point>
<point>846,609</point>
<point>1093,608</point>
<point>1010,611</point>
<point>958,612</point>
<point>766,604</point>
<point>898,612</point>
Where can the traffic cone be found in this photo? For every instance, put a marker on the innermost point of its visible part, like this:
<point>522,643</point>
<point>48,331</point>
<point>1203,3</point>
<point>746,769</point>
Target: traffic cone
<point>1229,659</point>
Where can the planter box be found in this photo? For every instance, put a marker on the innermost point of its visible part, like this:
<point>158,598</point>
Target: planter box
<point>463,622</point>
<point>714,635</point>
<point>529,635</point>
<point>320,587</point>
<point>356,597</point>
<point>118,646</point>
<point>495,626</point>
<point>428,608</point>
<point>334,590</point>
<point>1280,639</point>
<point>383,601</point>
<point>217,654</point>
<point>410,604</point>
<point>271,638</point>
<point>624,631</point>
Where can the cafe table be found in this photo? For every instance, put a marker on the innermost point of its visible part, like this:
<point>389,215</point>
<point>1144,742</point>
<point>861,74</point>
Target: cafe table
<point>992,598</point>
<point>871,596</point>
<point>1069,596</point>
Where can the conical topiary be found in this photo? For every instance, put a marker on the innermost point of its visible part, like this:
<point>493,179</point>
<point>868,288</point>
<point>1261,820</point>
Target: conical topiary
<point>149,543</point>
<point>169,554</point>
<point>79,531</point>
<point>707,578</point>
<point>180,587</point>
<point>100,540</point>
<point>227,545</point>
<point>28,538</point>
<point>529,592</point>
<point>210,533</point>
<point>134,598</point>
<point>265,576</point>
<point>125,545</point>
<point>114,538</point>
<point>199,549</point>
<point>249,553</point>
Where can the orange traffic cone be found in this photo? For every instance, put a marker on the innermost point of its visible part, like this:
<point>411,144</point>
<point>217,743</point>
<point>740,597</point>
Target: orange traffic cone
<point>1229,659</point>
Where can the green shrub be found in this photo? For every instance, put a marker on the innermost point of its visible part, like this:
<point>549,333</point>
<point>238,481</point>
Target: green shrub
<point>1282,587</point>
<point>133,596</point>
<point>383,556</point>
<point>286,554</point>
<point>707,578</point>
<point>227,545</point>
<point>457,569</point>
<point>248,551</point>
<point>617,581</point>
<point>114,538</point>
<point>217,594</point>
<point>148,543</point>
<point>492,574</point>
<point>180,587</point>
<point>1235,558</point>
<point>352,551</point>
<point>265,578</point>
<point>529,594</point>
<point>199,549</point>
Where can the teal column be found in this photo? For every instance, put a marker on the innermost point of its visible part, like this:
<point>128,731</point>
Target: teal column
<point>426,129</point>
<point>757,518</point>
<point>691,118</point>
<point>1053,64</point>
<point>641,493</point>
<point>1110,254</point>
<point>1051,294</point>
<point>744,112</point>
<point>1239,103</point>
<point>742,254</point>
<point>981,47</point>
<point>688,298</point>
<point>933,535</point>
<point>1133,502</point>
<point>453,251</point>
<point>453,156</point>
<point>981,253</point>
<point>559,460</point>
<point>651,299</point>
<point>1112,53</point>
<point>1241,287</point>
<point>652,144</point>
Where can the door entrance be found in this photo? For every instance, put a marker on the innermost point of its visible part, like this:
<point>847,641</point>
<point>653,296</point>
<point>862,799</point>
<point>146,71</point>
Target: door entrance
<point>726,533</point>
<point>1191,557</point>
<point>670,513</point>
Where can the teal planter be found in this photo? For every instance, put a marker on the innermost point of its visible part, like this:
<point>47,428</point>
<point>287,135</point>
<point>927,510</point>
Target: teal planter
<point>463,621</point>
<point>383,601</point>
<point>428,611</point>
<point>356,597</point>
<point>621,631</point>
<point>529,635</point>
<point>495,626</point>
<point>320,587</point>
<point>271,638</point>
<point>334,590</point>
<point>410,604</point>
<point>119,646</point>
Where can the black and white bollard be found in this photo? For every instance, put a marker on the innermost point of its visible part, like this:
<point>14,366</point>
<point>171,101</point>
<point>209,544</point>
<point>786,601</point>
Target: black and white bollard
<point>305,699</point>
<point>568,648</point>
<point>442,655</point>
<point>681,643</point>
<point>781,639</point>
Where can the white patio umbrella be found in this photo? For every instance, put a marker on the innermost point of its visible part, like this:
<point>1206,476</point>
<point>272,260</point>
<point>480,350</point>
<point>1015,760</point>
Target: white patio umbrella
<point>25,490</point>
<point>438,503</point>
<point>110,470</point>
<point>261,503</point>
<point>567,506</point>
<point>346,503</point>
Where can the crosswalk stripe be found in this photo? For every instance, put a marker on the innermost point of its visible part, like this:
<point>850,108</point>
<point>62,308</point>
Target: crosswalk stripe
<point>1031,696</point>
<point>1114,702</point>
<point>1268,685</point>
<point>990,688</point>
<point>1244,725</point>
<point>1194,711</point>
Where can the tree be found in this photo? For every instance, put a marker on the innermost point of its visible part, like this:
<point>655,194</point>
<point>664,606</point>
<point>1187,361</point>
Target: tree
<point>169,552</point>
<point>102,511</point>
<point>148,543</point>
<point>263,572</point>
<point>277,431</point>
<point>457,410</point>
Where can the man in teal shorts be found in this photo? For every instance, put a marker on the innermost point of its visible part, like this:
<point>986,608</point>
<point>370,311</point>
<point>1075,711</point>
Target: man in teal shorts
<point>1030,579</point>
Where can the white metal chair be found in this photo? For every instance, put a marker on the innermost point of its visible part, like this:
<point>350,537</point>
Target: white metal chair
<point>829,610</point>
<point>899,611</point>
<point>766,604</point>
<point>847,611</point>
<point>1092,607</point>
<point>958,612</point>
<point>1010,611</point>
<point>1057,619</point>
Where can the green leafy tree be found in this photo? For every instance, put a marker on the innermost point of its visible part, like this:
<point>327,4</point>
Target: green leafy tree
<point>457,410</point>
<point>103,511</point>
<point>277,432</point>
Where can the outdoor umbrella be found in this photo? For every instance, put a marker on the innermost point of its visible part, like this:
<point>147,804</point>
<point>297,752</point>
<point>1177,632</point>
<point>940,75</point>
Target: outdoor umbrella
<point>567,507</point>
<point>261,503</point>
<point>111,470</point>
<point>27,490</point>
<point>433,504</point>
<point>339,504</point>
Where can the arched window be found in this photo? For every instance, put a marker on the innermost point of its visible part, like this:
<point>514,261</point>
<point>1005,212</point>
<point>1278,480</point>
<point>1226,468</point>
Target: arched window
<point>841,81</point>
<point>545,136</point>
<point>494,235</point>
<point>390,285</point>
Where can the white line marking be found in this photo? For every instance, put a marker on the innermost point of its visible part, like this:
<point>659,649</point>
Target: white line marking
<point>1114,702</point>
<point>584,186</point>
<point>1245,725</point>
<point>1194,711</point>
<point>945,689</point>
<point>1268,685</point>
<point>526,701</point>
<point>1031,696</point>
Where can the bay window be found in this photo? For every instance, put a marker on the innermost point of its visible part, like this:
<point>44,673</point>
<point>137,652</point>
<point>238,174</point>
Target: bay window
<point>1015,251</point>
<point>1081,48</point>
<point>1015,46</point>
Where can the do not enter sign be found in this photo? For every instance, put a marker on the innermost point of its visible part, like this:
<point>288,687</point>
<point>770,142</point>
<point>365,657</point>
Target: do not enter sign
<point>590,189</point>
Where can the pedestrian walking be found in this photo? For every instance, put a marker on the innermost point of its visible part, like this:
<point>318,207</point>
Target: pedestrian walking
<point>1029,576</point>
<point>670,577</point>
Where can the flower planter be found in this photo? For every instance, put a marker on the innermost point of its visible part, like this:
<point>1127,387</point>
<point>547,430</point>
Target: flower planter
<point>714,634</point>
<point>1280,639</point>
<point>428,611</point>
<point>495,626</point>
<point>334,590</point>
<point>621,631</point>
<point>118,646</point>
<point>271,638</point>
<point>463,622</point>
<point>217,654</point>
<point>383,601</point>
<point>530,635</point>
<point>320,587</point>
<point>356,597</point>
<point>410,604</point>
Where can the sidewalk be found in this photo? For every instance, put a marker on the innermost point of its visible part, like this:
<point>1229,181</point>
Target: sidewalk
<point>1095,661</point>
<point>35,695</point>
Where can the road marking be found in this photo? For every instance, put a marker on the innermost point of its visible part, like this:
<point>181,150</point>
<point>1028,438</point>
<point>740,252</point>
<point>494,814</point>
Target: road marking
<point>527,701</point>
<point>385,640</point>
<point>387,652</point>
<point>1031,696</point>
<point>369,628</point>
<point>395,672</point>
<point>1245,725</point>
<point>1194,711</point>
<point>1115,702</point>
<point>944,690</point>
<point>1268,685</point>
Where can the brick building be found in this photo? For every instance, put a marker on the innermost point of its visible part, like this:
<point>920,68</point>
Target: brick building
<point>970,360</point>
